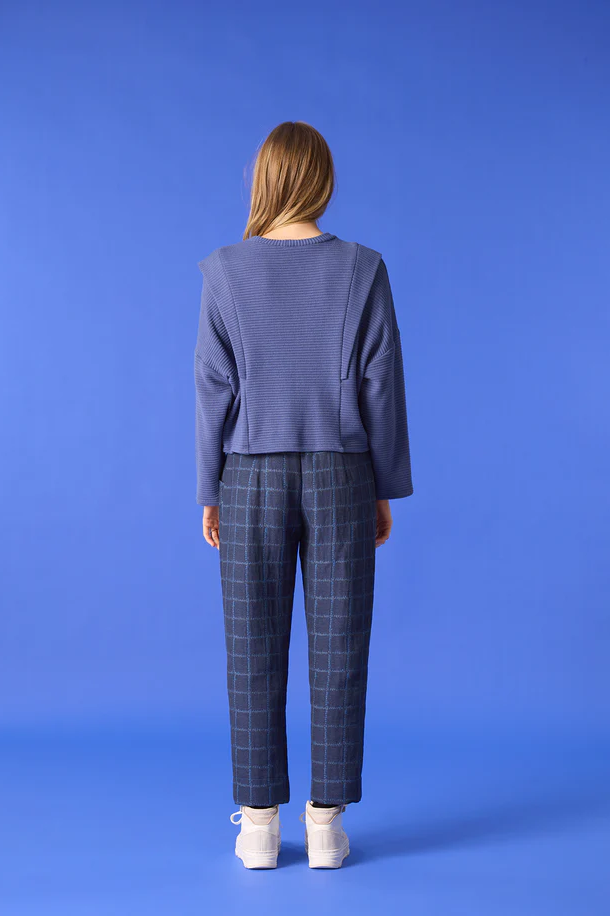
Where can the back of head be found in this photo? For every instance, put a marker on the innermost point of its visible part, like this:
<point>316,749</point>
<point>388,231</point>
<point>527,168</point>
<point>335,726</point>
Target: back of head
<point>293,178</point>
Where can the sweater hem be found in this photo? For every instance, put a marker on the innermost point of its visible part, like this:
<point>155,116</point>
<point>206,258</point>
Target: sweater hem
<point>286,447</point>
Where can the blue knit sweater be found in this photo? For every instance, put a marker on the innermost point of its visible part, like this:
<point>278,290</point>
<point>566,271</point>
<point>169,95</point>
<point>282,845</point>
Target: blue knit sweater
<point>298,349</point>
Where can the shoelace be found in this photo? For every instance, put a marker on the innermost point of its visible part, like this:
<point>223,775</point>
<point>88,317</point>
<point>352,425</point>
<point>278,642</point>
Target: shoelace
<point>240,814</point>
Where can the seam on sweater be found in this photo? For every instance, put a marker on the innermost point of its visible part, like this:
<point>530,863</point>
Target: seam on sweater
<point>225,378</point>
<point>211,292</point>
<point>381,355</point>
<point>241,338</point>
<point>241,342</point>
<point>349,293</point>
<point>340,415</point>
<point>378,358</point>
<point>395,341</point>
<point>226,330</point>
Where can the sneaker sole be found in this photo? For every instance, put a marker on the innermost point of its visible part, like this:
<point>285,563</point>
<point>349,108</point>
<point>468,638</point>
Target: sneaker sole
<point>257,860</point>
<point>328,859</point>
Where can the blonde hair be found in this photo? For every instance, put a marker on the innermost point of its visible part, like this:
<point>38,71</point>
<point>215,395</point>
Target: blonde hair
<point>293,178</point>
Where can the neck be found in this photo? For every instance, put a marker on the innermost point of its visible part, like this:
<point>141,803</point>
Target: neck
<point>302,230</point>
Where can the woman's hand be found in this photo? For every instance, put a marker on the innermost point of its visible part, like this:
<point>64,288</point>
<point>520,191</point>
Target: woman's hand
<point>384,521</point>
<point>210,526</point>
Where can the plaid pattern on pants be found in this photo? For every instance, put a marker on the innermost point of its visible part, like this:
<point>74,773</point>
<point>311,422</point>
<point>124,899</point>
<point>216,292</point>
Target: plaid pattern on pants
<point>321,505</point>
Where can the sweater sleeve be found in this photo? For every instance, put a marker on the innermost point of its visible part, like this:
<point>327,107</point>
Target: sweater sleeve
<point>215,389</point>
<point>382,398</point>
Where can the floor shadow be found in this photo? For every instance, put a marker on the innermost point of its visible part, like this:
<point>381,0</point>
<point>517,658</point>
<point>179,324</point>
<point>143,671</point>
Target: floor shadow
<point>290,854</point>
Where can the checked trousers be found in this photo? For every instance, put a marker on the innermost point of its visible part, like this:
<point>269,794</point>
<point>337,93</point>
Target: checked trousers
<point>321,506</point>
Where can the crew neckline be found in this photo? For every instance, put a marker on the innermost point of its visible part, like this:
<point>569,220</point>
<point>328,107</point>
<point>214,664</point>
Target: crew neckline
<point>294,243</point>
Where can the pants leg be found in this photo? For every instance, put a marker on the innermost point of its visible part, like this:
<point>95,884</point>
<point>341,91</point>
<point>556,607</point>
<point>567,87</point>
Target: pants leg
<point>259,528</point>
<point>337,552</point>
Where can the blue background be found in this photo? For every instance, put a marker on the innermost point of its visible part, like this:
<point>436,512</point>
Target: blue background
<point>472,144</point>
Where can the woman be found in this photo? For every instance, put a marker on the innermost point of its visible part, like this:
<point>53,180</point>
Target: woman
<point>301,432</point>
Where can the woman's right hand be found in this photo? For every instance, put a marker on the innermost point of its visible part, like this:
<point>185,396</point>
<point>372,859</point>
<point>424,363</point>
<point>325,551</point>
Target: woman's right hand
<point>384,521</point>
<point>210,526</point>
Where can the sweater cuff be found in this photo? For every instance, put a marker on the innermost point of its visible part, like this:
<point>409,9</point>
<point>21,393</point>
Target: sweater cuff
<point>399,494</point>
<point>211,499</point>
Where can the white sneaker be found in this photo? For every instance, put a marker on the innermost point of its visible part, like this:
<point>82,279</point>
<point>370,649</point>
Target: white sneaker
<point>326,841</point>
<point>258,842</point>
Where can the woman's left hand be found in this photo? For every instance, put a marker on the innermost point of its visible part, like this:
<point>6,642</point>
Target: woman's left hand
<point>210,526</point>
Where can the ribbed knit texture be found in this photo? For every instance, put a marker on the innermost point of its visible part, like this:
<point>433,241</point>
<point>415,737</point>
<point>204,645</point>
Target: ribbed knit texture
<point>298,350</point>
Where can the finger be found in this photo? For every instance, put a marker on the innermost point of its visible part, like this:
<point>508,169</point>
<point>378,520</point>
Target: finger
<point>215,538</point>
<point>382,537</point>
<point>207,536</point>
<point>208,533</point>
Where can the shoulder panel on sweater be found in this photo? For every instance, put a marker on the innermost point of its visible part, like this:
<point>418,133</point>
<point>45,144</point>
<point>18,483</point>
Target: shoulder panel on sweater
<point>366,262</point>
<point>212,268</point>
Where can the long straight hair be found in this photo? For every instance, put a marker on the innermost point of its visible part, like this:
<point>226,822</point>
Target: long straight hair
<point>293,178</point>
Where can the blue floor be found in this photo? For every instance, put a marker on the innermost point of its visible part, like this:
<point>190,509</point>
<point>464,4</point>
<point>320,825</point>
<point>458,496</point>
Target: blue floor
<point>136,822</point>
